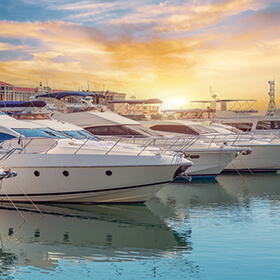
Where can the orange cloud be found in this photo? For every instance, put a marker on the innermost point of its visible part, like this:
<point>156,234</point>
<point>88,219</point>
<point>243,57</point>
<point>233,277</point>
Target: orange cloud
<point>199,16</point>
<point>79,51</point>
<point>186,16</point>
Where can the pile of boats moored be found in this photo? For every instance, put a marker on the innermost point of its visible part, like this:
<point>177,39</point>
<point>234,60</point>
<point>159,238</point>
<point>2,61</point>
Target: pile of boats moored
<point>101,157</point>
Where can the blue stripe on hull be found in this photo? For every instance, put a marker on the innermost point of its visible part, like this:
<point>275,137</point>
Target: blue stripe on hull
<point>197,178</point>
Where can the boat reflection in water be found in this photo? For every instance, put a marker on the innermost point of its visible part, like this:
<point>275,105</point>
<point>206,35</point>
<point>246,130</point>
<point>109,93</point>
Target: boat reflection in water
<point>230,199</point>
<point>182,196</point>
<point>100,233</point>
<point>228,189</point>
<point>262,185</point>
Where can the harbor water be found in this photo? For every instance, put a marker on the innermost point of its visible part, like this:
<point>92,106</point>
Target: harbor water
<point>226,229</point>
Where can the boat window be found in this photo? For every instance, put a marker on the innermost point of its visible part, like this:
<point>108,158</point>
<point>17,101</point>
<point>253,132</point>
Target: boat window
<point>32,132</point>
<point>122,130</point>
<point>268,125</point>
<point>99,130</point>
<point>73,134</point>
<point>174,128</point>
<point>275,124</point>
<point>194,156</point>
<point>78,134</point>
<point>113,130</point>
<point>242,126</point>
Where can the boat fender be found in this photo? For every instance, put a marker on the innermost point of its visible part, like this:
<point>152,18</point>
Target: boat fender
<point>184,155</point>
<point>245,153</point>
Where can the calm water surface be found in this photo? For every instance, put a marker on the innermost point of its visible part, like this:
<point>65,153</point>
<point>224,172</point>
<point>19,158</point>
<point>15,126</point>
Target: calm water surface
<point>228,229</point>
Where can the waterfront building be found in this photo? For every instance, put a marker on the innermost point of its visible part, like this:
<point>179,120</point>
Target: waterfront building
<point>9,92</point>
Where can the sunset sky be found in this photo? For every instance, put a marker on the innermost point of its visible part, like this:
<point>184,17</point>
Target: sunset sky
<point>162,49</point>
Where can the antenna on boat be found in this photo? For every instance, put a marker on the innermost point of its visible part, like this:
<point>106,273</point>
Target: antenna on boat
<point>271,109</point>
<point>213,103</point>
<point>213,95</point>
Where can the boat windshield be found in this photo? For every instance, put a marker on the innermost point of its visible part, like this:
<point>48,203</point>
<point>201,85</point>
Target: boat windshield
<point>53,133</point>
<point>33,132</point>
<point>87,135</point>
<point>79,134</point>
<point>50,133</point>
<point>5,136</point>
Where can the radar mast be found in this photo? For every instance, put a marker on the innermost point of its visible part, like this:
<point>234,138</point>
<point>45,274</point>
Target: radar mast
<point>271,109</point>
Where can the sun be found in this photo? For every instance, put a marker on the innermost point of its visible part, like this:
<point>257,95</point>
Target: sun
<point>174,103</point>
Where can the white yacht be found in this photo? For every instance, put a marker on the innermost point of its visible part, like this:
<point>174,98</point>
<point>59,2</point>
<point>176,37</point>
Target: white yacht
<point>54,169</point>
<point>209,159</point>
<point>263,157</point>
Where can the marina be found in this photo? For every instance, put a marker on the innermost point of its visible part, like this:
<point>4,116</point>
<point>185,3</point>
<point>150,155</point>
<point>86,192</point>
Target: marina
<point>226,229</point>
<point>86,191</point>
<point>139,140</point>
<point>76,202</point>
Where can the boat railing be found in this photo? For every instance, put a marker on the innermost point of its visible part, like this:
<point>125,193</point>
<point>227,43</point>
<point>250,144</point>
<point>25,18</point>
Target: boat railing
<point>243,139</point>
<point>81,146</point>
<point>29,145</point>
<point>113,146</point>
<point>165,144</point>
<point>51,146</point>
<point>228,139</point>
<point>171,144</point>
<point>9,153</point>
<point>153,144</point>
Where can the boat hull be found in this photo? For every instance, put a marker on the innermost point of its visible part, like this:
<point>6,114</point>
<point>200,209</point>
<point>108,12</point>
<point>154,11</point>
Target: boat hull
<point>209,164</point>
<point>263,158</point>
<point>87,178</point>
